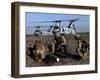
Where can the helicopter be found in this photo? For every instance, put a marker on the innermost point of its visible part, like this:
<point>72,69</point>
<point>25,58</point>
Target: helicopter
<point>38,31</point>
<point>70,29</point>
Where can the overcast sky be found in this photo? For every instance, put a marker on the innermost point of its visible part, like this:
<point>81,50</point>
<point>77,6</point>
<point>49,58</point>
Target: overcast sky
<point>82,25</point>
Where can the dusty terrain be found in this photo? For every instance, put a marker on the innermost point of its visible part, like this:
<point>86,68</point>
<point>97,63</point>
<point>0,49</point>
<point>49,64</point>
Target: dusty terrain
<point>72,45</point>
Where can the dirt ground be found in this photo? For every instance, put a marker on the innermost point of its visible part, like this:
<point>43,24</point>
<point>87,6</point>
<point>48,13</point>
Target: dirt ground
<point>72,45</point>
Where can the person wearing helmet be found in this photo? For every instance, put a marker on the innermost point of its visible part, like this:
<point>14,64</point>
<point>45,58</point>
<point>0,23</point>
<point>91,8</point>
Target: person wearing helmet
<point>59,42</point>
<point>83,47</point>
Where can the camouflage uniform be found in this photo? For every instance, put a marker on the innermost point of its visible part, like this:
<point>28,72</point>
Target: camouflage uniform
<point>83,46</point>
<point>59,44</point>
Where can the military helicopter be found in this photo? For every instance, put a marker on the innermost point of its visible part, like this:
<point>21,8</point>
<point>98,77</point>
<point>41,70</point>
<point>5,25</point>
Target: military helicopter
<point>70,29</point>
<point>38,31</point>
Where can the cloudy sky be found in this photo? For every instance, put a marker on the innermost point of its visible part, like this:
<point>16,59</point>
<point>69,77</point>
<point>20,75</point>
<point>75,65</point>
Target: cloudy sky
<point>31,19</point>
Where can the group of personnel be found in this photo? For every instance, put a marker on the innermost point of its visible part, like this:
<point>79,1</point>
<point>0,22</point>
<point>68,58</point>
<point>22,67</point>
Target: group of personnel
<point>59,45</point>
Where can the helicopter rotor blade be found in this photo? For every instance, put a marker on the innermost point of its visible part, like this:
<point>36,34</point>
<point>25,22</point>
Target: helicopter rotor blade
<point>46,21</point>
<point>65,20</point>
<point>55,21</point>
<point>38,26</point>
<point>72,20</point>
<point>50,21</point>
